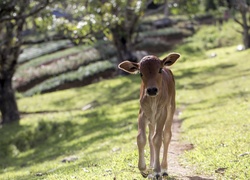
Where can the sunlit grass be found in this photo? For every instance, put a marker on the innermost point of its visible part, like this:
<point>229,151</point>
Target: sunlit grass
<point>97,124</point>
<point>102,137</point>
<point>214,94</point>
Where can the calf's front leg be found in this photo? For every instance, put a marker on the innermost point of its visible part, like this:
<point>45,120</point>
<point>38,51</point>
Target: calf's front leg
<point>141,142</point>
<point>166,140</point>
<point>167,134</point>
<point>157,142</point>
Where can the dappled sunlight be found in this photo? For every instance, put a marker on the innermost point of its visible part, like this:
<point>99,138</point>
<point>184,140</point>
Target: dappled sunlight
<point>63,129</point>
<point>113,92</point>
<point>216,114</point>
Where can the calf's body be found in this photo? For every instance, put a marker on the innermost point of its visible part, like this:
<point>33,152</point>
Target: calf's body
<point>157,107</point>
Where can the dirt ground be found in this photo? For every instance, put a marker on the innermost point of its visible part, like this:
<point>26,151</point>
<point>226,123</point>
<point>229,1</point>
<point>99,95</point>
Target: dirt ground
<point>176,148</point>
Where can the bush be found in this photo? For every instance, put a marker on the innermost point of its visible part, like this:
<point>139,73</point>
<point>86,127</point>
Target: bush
<point>45,59</point>
<point>210,37</point>
<point>40,69</point>
<point>81,74</point>
<point>41,49</point>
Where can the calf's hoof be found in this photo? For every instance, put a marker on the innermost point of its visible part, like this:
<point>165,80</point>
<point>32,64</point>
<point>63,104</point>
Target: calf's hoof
<point>165,174</point>
<point>144,174</point>
<point>157,177</point>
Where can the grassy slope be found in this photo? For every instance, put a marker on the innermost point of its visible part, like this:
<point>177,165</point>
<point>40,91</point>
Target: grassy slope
<point>103,138</point>
<point>214,94</point>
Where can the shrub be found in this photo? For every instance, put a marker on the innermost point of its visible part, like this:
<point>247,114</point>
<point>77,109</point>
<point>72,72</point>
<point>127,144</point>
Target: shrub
<point>81,74</point>
<point>41,49</point>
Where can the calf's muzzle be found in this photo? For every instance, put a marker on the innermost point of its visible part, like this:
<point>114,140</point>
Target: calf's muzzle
<point>152,91</point>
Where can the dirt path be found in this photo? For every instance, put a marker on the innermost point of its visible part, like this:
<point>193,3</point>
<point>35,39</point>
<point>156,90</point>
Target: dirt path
<point>176,148</point>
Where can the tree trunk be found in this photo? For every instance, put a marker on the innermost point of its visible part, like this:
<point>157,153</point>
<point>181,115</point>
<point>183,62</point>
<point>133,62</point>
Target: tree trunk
<point>123,47</point>
<point>9,53</point>
<point>166,8</point>
<point>246,36</point>
<point>243,8</point>
<point>8,105</point>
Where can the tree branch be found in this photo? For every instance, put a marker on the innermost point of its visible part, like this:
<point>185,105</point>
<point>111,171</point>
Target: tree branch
<point>34,11</point>
<point>238,31</point>
<point>237,21</point>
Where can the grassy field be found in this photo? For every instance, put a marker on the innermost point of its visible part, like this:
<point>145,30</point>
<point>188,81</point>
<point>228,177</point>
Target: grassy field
<point>102,138</point>
<point>214,94</point>
<point>90,132</point>
<point>97,125</point>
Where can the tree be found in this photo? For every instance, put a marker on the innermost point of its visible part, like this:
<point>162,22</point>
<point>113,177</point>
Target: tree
<point>13,15</point>
<point>240,6</point>
<point>117,20</point>
<point>243,7</point>
<point>122,17</point>
<point>128,14</point>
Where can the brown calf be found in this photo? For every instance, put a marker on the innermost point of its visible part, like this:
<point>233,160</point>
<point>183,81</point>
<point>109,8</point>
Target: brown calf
<point>157,107</point>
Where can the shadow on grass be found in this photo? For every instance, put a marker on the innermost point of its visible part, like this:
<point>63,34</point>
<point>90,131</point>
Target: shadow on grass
<point>90,132</point>
<point>191,72</point>
<point>49,140</point>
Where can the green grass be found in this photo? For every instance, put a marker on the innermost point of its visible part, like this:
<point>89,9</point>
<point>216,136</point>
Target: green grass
<point>97,123</point>
<point>209,37</point>
<point>214,94</point>
<point>103,138</point>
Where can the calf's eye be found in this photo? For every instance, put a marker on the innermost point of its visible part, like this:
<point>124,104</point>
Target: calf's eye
<point>160,71</point>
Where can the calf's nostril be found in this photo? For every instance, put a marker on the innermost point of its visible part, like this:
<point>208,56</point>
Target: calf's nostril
<point>152,91</point>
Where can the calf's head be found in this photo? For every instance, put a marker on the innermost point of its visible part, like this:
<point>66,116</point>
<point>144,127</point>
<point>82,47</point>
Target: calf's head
<point>151,70</point>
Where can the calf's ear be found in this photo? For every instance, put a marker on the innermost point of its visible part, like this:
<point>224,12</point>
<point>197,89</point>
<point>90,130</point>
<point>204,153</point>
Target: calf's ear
<point>170,59</point>
<point>129,67</point>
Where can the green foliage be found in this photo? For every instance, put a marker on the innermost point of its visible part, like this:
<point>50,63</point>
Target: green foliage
<point>81,74</point>
<point>65,61</point>
<point>47,58</point>
<point>104,48</point>
<point>209,37</point>
<point>190,7</point>
<point>57,67</point>
<point>42,49</point>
